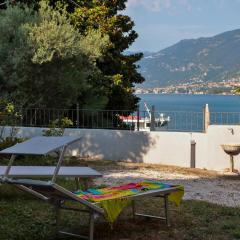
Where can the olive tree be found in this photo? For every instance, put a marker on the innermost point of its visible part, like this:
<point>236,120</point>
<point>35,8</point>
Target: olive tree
<point>45,60</point>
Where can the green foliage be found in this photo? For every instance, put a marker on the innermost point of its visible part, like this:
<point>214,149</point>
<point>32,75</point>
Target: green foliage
<point>112,86</point>
<point>23,217</point>
<point>57,127</point>
<point>237,91</point>
<point>8,117</point>
<point>119,71</point>
<point>8,114</point>
<point>45,58</point>
<point>55,38</point>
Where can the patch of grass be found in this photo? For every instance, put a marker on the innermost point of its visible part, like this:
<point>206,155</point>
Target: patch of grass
<point>23,217</point>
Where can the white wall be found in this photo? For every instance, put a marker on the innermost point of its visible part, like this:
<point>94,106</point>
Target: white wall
<point>24,132</point>
<point>148,147</point>
<point>210,154</point>
<point>171,148</point>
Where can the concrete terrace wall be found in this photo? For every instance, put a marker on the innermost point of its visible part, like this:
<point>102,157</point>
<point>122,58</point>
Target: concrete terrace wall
<point>147,147</point>
<point>170,148</point>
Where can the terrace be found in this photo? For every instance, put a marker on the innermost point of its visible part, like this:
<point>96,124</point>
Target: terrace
<point>194,159</point>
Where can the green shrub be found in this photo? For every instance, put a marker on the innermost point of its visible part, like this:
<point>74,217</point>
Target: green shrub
<point>57,127</point>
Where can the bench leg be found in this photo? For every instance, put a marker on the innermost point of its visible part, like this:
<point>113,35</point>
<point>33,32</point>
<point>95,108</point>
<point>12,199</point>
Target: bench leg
<point>166,207</point>
<point>133,209</point>
<point>77,183</point>
<point>57,218</point>
<point>166,211</point>
<point>82,183</point>
<point>91,226</point>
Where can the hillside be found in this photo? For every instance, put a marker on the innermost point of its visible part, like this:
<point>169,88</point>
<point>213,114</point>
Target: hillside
<point>210,59</point>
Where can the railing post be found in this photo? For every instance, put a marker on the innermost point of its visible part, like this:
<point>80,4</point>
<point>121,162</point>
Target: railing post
<point>206,118</point>
<point>20,111</point>
<point>35,117</point>
<point>138,118</point>
<point>77,109</point>
<point>152,124</point>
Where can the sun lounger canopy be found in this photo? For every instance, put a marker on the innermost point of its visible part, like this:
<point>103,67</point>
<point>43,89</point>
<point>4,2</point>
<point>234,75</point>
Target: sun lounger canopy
<point>40,145</point>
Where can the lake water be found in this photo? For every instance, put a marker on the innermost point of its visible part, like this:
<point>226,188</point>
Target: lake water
<point>185,111</point>
<point>191,103</point>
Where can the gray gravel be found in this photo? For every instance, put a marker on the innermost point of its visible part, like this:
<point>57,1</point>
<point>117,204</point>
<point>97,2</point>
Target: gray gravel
<point>215,190</point>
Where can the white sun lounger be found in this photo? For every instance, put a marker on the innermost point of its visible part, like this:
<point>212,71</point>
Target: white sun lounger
<point>81,175</point>
<point>38,146</point>
<point>58,196</point>
<point>48,171</point>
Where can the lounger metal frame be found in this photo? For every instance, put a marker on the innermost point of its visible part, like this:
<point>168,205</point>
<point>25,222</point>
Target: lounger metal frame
<point>58,196</point>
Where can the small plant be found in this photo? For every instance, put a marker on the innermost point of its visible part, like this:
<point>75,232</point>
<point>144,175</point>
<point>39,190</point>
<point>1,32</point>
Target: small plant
<point>8,117</point>
<point>57,127</point>
<point>8,114</point>
<point>237,91</point>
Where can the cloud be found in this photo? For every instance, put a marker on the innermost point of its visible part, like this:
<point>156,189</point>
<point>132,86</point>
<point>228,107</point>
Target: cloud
<point>159,5</point>
<point>152,5</point>
<point>173,6</point>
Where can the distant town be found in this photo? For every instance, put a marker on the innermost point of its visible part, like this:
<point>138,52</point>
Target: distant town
<point>225,87</point>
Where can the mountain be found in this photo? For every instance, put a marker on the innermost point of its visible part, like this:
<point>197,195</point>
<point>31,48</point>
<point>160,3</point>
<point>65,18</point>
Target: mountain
<point>199,60</point>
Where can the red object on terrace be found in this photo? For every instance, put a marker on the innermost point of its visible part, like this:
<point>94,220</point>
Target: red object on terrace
<point>130,118</point>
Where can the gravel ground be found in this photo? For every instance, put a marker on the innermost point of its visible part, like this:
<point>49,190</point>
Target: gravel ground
<point>219,190</point>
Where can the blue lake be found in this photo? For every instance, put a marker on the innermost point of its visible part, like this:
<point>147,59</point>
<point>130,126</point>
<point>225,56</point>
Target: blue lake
<point>186,111</point>
<point>191,103</point>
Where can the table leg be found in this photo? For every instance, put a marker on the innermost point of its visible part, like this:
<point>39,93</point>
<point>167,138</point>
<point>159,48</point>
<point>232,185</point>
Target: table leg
<point>166,206</point>
<point>77,183</point>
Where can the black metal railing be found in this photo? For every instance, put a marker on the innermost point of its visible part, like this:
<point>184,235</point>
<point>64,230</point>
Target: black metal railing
<point>225,118</point>
<point>124,120</point>
<point>182,121</point>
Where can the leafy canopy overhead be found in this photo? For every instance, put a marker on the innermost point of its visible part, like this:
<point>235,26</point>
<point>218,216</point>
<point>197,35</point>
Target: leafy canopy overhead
<point>104,33</point>
<point>119,70</point>
<point>46,61</point>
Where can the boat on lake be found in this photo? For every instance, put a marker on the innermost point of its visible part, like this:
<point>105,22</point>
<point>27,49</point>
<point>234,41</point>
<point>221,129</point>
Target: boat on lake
<point>144,123</point>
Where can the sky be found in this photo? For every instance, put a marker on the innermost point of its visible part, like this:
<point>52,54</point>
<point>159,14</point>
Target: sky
<point>161,23</point>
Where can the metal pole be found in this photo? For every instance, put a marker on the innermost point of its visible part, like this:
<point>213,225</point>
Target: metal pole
<point>133,208</point>
<point>77,109</point>
<point>77,183</point>
<point>206,119</point>
<point>91,229</point>
<point>59,164</point>
<point>152,123</point>
<point>138,118</point>
<point>203,113</point>
<point>21,115</point>
<point>166,209</point>
<point>57,215</point>
<point>231,164</point>
<point>9,166</point>
<point>193,154</point>
<point>35,117</point>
